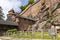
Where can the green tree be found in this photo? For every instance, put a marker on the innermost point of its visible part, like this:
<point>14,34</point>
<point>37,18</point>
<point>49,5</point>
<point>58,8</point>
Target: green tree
<point>1,14</point>
<point>24,7</point>
<point>30,1</point>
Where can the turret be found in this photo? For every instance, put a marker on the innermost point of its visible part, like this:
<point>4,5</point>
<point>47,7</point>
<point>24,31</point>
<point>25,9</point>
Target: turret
<point>11,15</point>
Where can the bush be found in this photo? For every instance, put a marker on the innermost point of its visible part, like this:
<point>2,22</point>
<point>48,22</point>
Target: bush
<point>11,31</point>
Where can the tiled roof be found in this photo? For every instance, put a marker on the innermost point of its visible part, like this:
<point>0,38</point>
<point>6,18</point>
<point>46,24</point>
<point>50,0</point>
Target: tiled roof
<point>27,18</point>
<point>8,23</point>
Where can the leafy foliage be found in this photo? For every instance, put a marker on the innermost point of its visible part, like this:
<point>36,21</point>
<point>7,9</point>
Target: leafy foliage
<point>29,2</point>
<point>1,14</point>
<point>23,7</point>
<point>12,30</point>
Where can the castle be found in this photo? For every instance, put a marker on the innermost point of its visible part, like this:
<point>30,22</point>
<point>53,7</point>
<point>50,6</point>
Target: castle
<point>37,11</point>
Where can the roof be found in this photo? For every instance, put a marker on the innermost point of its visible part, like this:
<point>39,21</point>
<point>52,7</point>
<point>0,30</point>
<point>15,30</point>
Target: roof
<point>11,11</point>
<point>26,18</point>
<point>8,23</point>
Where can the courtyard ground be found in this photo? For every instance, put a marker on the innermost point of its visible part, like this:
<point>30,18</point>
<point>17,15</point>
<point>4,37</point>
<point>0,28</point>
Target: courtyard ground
<point>36,36</point>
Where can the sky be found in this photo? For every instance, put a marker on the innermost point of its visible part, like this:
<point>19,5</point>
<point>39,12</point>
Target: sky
<point>9,4</point>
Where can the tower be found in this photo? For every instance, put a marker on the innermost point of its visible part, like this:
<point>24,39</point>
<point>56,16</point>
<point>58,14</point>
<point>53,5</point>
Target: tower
<point>11,15</point>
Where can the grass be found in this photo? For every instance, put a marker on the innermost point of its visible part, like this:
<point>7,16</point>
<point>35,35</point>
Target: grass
<point>58,36</point>
<point>36,35</point>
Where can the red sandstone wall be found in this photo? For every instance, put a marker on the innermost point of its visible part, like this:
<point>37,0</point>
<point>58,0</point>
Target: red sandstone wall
<point>24,24</point>
<point>34,9</point>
